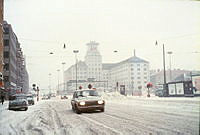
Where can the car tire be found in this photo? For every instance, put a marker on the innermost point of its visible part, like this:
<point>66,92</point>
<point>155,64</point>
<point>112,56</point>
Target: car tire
<point>102,110</point>
<point>77,111</point>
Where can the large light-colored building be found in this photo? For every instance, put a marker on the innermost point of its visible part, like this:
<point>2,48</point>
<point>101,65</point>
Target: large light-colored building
<point>132,73</point>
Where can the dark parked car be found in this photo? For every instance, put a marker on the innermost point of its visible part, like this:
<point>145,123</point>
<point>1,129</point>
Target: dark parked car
<point>159,92</point>
<point>18,102</point>
<point>87,100</point>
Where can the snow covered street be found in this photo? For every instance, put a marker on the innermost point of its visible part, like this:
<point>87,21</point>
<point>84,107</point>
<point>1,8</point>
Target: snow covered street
<point>128,116</point>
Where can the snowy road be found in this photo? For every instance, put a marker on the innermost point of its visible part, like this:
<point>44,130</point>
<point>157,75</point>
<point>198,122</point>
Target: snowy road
<point>128,116</point>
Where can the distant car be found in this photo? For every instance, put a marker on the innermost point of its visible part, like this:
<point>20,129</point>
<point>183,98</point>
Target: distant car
<point>44,97</point>
<point>87,100</point>
<point>53,95</point>
<point>30,99</point>
<point>159,92</point>
<point>64,97</point>
<point>18,102</point>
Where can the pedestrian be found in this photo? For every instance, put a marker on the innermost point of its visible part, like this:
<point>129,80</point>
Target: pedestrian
<point>2,99</point>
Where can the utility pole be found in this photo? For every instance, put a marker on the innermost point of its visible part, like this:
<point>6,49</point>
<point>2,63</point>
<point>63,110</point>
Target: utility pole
<point>76,51</point>
<point>63,63</point>
<point>49,83</point>
<point>170,70</point>
<point>164,72</point>
<point>58,79</point>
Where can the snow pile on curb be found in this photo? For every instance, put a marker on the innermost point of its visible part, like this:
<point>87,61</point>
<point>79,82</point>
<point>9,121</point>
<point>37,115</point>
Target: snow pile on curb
<point>113,96</point>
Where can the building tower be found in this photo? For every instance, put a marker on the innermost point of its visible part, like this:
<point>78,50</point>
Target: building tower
<point>93,60</point>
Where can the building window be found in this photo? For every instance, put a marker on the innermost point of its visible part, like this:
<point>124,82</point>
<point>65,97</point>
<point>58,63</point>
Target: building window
<point>138,73</point>
<point>145,77</point>
<point>138,77</point>
<point>132,69</point>
<point>138,69</point>
<point>6,66</point>
<point>6,42</point>
<point>139,82</point>
<point>6,30</point>
<point>6,54</point>
<point>6,78</point>
<point>145,69</point>
<point>132,73</point>
<point>138,64</point>
<point>132,78</point>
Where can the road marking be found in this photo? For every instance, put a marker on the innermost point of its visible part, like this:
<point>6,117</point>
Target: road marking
<point>102,125</point>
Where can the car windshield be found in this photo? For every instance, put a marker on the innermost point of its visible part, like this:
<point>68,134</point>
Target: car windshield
<point>87,93</point>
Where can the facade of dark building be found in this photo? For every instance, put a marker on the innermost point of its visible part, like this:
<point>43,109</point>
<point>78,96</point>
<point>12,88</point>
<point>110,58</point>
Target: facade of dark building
<point>1,34</point>
<point>10,60</point>
<point>15,74</point>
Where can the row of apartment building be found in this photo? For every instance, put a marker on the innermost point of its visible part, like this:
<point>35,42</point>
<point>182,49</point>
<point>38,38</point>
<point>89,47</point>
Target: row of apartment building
<point>15,74</point>
<point>131,74</point>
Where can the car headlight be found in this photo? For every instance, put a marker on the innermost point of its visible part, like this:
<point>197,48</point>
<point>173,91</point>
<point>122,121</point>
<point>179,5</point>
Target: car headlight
<point>82,103</point>
<point>100,102</point>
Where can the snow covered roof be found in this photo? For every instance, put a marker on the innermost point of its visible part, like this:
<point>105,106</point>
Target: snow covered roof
<point>107,66</point>
<point>133,59</point>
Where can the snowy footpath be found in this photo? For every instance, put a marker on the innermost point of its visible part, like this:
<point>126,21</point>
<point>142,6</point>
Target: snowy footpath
<point>123,115</point>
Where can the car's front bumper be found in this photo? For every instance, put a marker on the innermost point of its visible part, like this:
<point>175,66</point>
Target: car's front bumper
<point>17,107</point>
<point>90,108</point>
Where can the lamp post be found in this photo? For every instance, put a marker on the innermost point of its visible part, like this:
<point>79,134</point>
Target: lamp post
<point>58,78</point>
<point>49,83</point>
<point>170,70</point>
<point>63,63</point>
<point>116,83</point>
<point>76,51</point>
<point>164,72</point>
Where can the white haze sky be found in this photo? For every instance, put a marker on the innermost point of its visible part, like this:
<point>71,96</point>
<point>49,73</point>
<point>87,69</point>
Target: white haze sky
<point>43,26</point>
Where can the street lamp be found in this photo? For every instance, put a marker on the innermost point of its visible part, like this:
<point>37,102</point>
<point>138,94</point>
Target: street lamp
<point>116,83</point>
<point>63,63</point>
<point>58,78</point>
<point>170,66</point>
<point>76,51</point>
<point>164,72</point>
<point>49,83</point>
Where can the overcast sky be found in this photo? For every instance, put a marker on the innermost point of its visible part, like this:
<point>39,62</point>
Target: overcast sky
<point>43,26</point>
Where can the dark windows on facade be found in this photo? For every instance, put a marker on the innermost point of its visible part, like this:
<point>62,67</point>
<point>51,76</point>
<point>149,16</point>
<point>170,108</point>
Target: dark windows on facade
<point>6,42</point>
<point>6,78</point>
<point>6,54</point>
<point>6,31</point>
<point>6,66</point>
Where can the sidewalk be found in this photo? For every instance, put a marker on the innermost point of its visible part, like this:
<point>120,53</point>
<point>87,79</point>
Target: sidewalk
<point>4,106</point>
